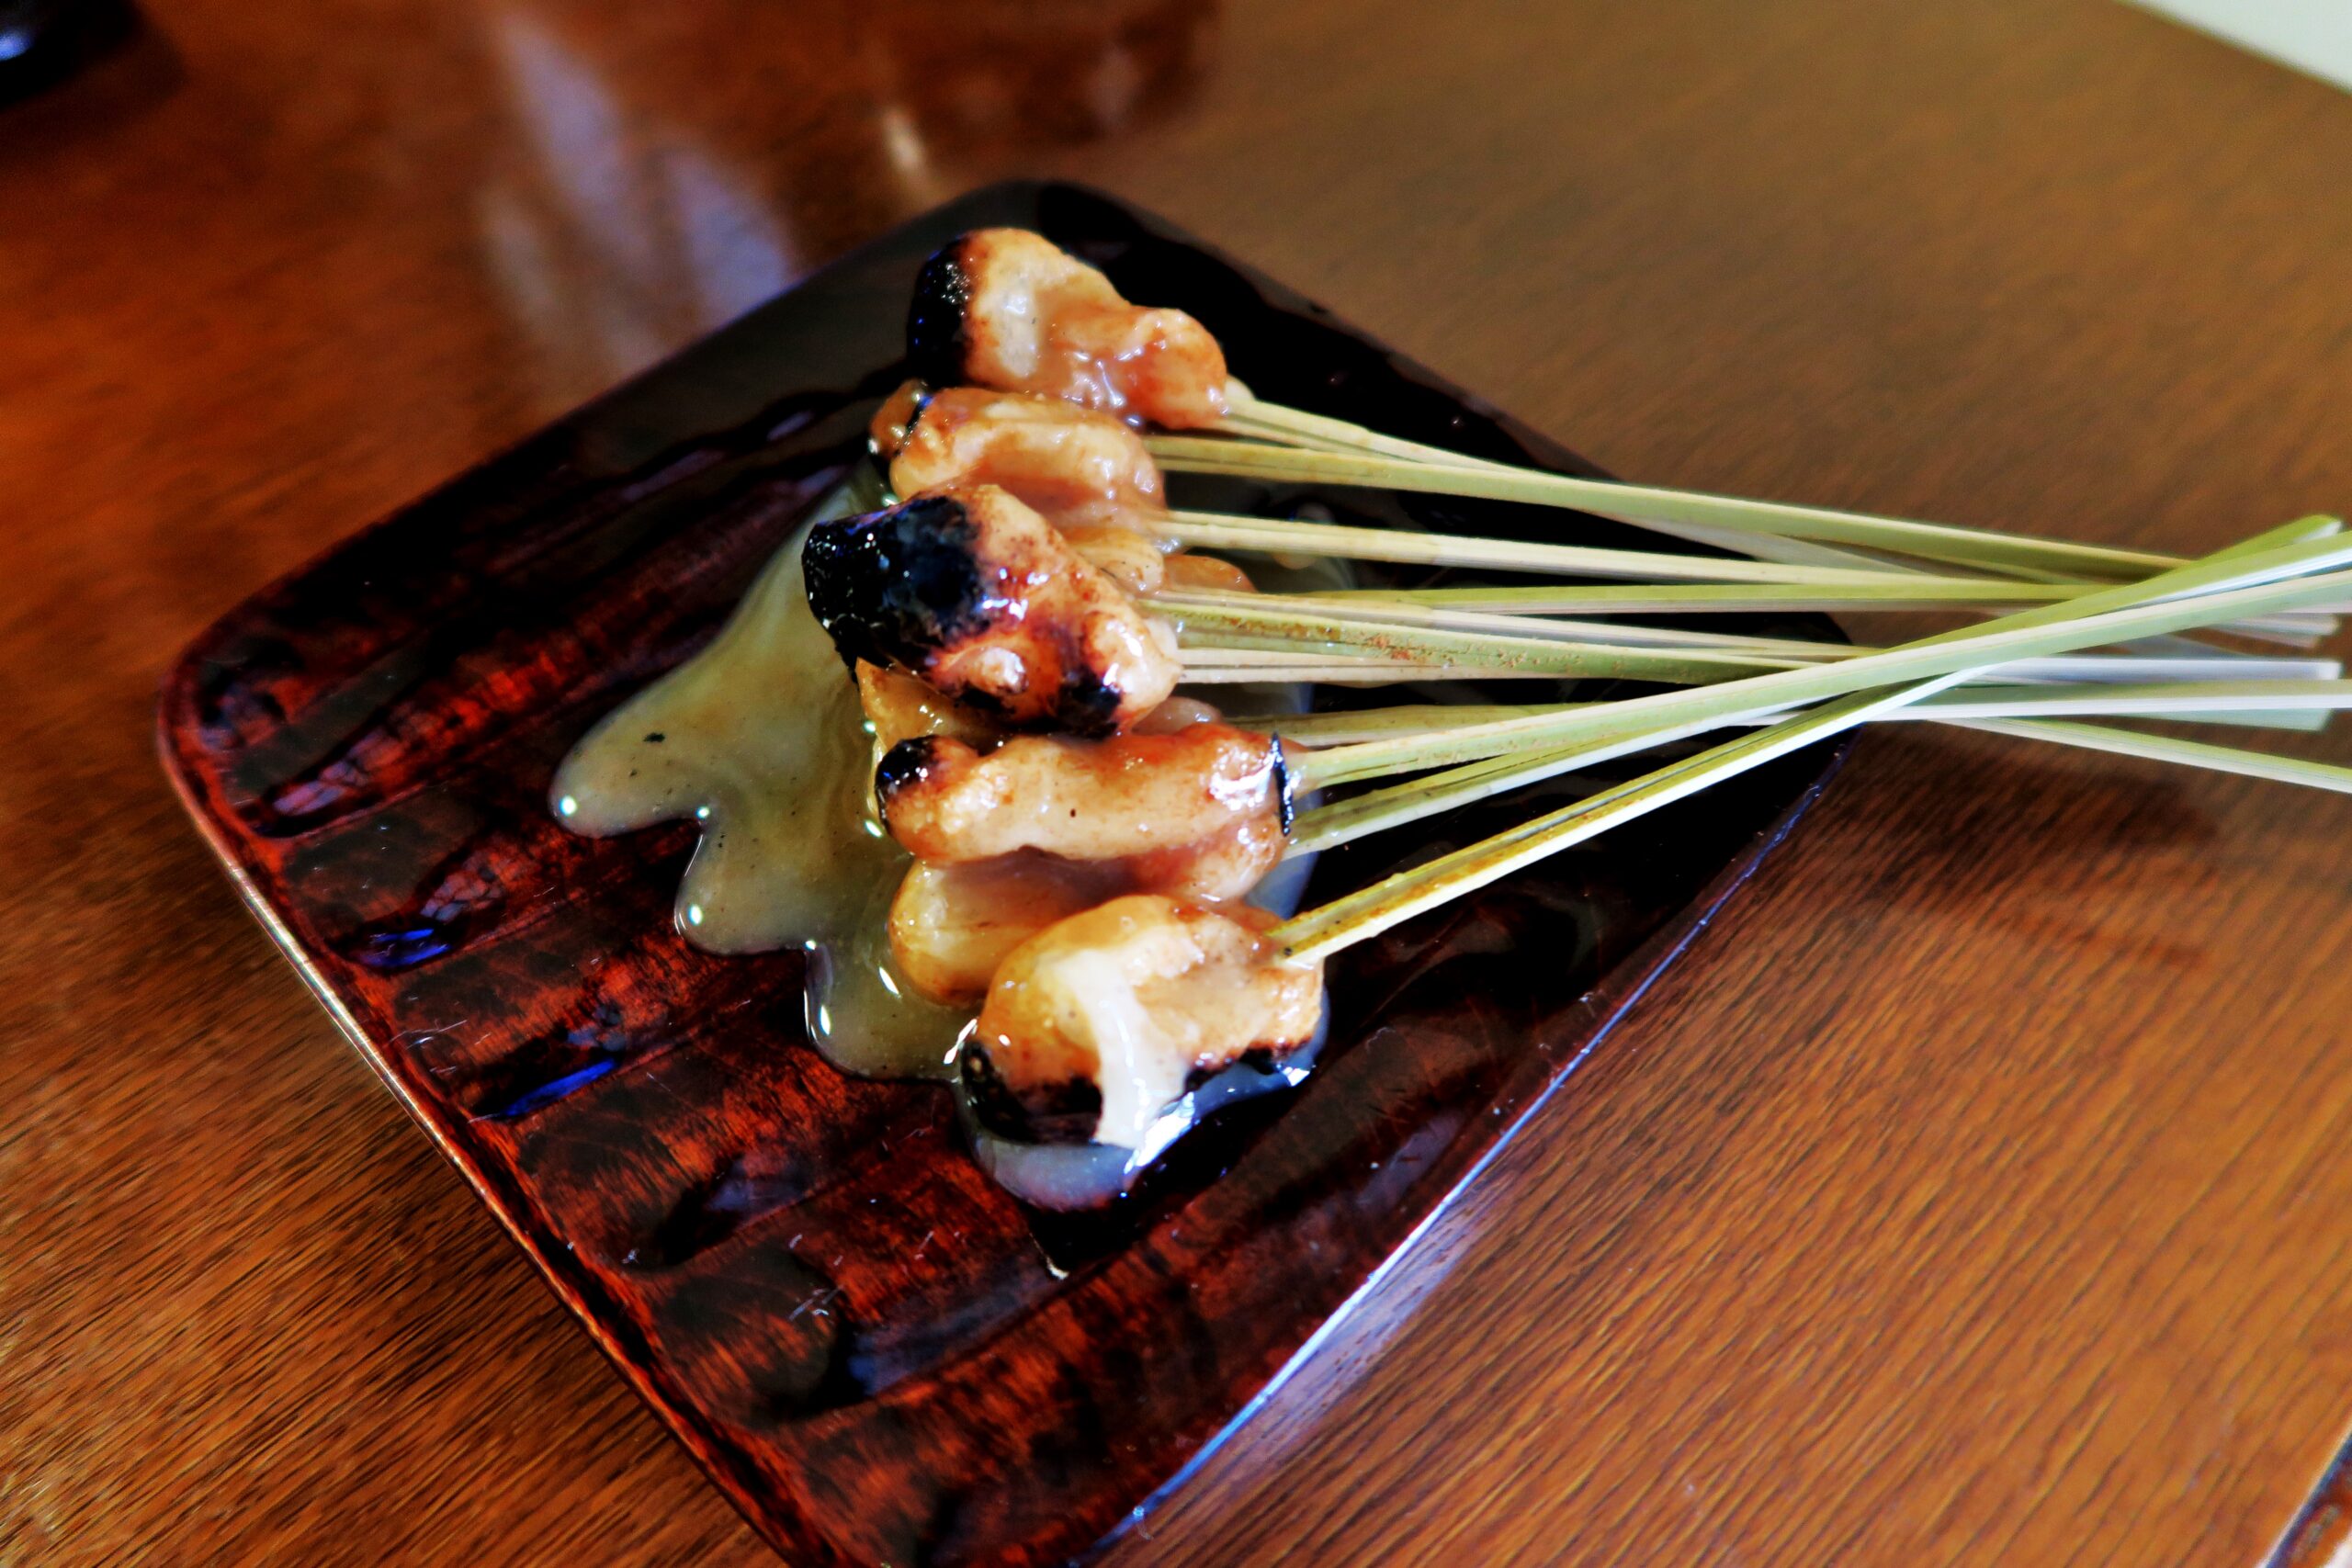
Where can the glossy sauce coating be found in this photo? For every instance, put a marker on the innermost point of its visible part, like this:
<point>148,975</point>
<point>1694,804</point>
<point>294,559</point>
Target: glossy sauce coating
<point>1011,840</point>
<point>1085,473</point>
<point>1130,795</point>
<point>1070,464</point>
<point>952,925</point>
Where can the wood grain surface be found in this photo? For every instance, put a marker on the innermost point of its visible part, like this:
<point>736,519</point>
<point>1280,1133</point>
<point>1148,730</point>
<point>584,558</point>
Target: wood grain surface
<point>1975,1193</point>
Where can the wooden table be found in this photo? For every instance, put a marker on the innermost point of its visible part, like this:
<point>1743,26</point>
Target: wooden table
<point>1976,1191</point>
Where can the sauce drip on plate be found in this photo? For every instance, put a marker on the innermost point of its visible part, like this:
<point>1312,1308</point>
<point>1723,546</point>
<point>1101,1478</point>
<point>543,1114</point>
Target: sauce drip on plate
<point>759,739</point>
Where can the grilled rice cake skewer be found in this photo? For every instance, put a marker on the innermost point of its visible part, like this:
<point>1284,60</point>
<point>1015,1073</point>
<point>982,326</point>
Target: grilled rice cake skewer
<point>1087,473</point>
<point>1094,1027</point>
<point>988,604</point>
<point>1009,308</point>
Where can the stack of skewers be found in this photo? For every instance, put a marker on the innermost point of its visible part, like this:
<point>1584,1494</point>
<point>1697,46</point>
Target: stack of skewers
<point>1032,629</point>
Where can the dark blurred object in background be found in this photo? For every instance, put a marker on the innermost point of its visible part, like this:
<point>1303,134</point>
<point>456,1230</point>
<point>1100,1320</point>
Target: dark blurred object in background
<point>41,42</point>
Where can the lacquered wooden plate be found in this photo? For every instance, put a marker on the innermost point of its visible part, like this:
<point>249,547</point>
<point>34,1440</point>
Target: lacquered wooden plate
<point>878,1354</point>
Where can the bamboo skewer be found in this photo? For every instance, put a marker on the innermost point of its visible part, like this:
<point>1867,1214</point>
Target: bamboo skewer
<point>1326,827</point>
<point>1215,530</point>
<point>1316,638</point>
<point>1273,421</point>
<point>1354,448</point>
<point>1218,531</point>
<point>1192,609</point>
<point>2219,588</point>
<point>1319,932</point>
<point>2173,749</point>
<point>1247,662</point>
<point>2262,569</point>
<point>2011,554</point>
<point>2289,705</point>
<point>1664,715</point>
<point>2297,628</point>
<point>1221,666</point>
<point>1908,595</point>
<point>1331,825</point>
<point>2241,577</point>
<point>1458,652</point>
<point>1273,622</point>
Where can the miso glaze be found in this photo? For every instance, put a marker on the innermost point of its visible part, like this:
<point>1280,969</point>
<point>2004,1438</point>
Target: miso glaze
<point>759,738</point>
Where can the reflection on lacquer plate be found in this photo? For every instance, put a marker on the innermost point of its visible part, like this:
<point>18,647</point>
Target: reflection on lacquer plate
<point>667,172</point>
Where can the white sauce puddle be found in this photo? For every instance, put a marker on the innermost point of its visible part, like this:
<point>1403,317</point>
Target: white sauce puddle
<point>759,739</point>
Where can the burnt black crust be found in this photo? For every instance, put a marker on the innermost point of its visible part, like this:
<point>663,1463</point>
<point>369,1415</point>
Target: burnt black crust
<point>1285,787</point>
<point>908,762</point>
<point>897,586</point>
<point>1064,1113</point>
<point>1086,704</point>
<point>939,334</point>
